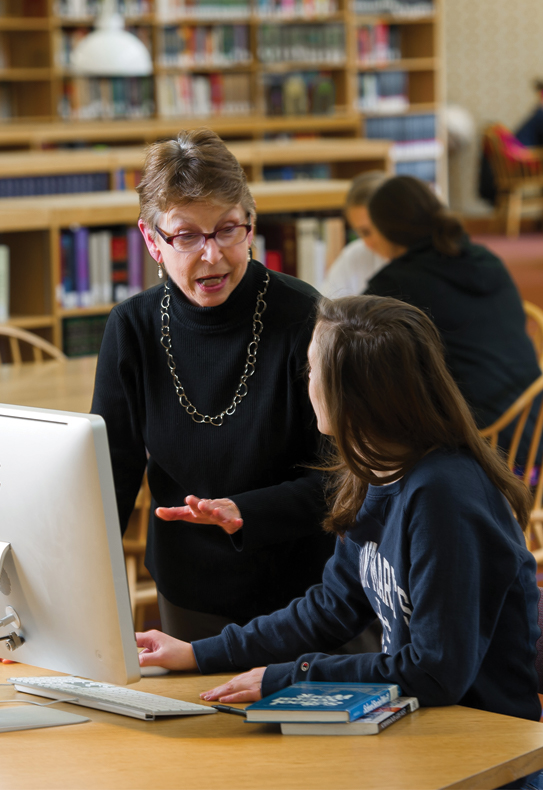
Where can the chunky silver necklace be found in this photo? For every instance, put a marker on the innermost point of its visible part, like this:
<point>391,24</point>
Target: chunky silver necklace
<point>250,361</point>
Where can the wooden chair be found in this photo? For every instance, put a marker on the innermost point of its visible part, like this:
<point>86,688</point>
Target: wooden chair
<point>517,170</point>
<point>18,338</point>
<point>142,589</point>
<point>518,414</point>
<point>534,328</point>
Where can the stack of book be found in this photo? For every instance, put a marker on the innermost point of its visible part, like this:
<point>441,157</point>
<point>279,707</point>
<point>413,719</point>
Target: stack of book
<point>333,708</point>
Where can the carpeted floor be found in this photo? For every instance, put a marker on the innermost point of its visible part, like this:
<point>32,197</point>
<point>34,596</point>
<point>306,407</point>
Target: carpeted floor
<point>523,256</point>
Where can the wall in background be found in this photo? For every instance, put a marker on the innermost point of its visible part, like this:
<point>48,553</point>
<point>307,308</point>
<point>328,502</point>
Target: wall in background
<point>493,51</point>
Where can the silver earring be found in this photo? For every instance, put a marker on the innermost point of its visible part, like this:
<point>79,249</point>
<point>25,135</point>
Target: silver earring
<point>160,271</point>
<point>249,255</point>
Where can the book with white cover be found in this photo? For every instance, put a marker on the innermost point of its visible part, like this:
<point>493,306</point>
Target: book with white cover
<point>370,724</point>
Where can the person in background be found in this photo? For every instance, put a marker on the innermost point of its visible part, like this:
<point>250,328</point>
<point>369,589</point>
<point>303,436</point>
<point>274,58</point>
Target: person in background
<point>427,537</point>
<point>463,287</point>
<point>356,263</point>
<point>201,381</point>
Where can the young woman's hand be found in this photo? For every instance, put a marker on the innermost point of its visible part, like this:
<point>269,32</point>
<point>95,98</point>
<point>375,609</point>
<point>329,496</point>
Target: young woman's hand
<point>161,650</point>
<point>243,688</point>
<point>221,512</point>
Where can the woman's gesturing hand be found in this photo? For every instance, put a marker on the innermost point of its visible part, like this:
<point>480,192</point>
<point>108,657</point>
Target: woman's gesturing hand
<point>161,650</point>
<point>243,688</point>
<point>221,512</point>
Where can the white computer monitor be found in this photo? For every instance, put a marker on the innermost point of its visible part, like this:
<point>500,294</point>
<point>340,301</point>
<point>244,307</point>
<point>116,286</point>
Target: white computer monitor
<point>64,573</point>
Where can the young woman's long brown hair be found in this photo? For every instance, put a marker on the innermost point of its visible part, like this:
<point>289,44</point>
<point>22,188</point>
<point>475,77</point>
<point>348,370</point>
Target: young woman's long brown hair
<point>390,399</point>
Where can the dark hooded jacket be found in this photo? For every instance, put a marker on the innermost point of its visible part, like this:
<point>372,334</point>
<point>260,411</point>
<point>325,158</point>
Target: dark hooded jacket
<point>478,311</point>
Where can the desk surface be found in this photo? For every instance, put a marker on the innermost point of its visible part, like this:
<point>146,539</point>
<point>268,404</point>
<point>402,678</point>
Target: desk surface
<point>432,748</point>
<point>65,385</point>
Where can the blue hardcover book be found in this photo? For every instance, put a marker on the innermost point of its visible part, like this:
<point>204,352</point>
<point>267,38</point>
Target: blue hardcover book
<point>313,701</point>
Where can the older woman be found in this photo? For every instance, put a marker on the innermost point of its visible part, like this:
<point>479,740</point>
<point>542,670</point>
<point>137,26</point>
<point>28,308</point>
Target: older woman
<point>202,380</point>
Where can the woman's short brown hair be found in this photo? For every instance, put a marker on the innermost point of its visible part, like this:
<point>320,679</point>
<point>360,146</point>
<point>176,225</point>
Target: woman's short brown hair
<point>197,166</point>
<point>385,384</point>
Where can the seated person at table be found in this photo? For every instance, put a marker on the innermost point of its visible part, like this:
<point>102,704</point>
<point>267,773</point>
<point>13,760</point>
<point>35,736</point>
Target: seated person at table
<point>463,287</point>
<point>427,540</point>
<point>356,263</point>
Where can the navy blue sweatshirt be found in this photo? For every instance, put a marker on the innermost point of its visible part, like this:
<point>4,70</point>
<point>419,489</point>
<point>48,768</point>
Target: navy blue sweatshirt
<point>259,457</point>
<point>440,559</point>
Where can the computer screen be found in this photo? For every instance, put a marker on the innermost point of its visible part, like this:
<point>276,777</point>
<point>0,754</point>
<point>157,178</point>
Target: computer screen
<point>64,574</point>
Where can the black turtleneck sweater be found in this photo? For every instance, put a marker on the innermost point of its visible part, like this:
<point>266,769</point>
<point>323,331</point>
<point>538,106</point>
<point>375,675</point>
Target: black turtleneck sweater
<point>258,457</point>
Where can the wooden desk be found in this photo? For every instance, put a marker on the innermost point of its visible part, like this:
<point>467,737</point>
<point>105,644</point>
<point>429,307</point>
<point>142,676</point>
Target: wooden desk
<point>433,748</point>
<point>65,385</point>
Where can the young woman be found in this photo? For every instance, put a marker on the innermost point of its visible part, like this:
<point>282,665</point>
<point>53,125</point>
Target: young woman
<point>427,539</point>
<point>357,262</point>
<point>464,288</point>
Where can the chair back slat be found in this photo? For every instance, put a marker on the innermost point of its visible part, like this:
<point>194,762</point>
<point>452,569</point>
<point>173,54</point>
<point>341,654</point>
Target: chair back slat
<point>15,350</point>
<point>16,336</point>
<point>534,328</point>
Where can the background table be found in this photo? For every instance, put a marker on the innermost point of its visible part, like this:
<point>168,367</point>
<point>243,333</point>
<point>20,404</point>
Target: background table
<point>65,385</point>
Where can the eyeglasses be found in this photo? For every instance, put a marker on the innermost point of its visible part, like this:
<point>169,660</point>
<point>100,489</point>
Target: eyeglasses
<point>193,242</point>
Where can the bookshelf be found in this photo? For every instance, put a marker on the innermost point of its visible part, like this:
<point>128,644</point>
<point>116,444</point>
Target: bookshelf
<point>248,69</point>
<point>25,173</point>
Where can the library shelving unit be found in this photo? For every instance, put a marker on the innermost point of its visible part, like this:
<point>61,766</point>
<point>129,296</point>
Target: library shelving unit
<point>247,68</point>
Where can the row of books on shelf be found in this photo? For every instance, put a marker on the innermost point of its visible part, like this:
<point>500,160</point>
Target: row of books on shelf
<point>379,43</point>
<point>383,91</point>
<point>314,43</point>
<point>313,708</point>
<point>100,266</point>
<point>209,9</point>
<point>305,93</point>
<point>203,9</point>
<point>215,45</point>
<point>394,7</point>
<point>204,94</point>
<point>107,97</point>
<point>425,169</point>
<point>303,247</point>
<point>402,128</point>
<point>292,172</point>
<point>76,9</point>
<point>82,335</point>
<point>26,186</point>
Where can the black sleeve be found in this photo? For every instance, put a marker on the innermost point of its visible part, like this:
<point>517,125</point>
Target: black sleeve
<point>115,400</point>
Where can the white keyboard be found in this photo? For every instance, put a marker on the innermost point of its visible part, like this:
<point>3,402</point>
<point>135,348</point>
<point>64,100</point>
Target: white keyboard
<point>105,696</point>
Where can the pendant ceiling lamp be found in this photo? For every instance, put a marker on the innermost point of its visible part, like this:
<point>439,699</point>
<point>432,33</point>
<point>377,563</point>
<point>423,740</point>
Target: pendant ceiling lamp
<point>110,50</point>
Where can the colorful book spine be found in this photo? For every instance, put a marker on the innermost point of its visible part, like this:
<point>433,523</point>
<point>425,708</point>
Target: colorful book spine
<point>4,283</point>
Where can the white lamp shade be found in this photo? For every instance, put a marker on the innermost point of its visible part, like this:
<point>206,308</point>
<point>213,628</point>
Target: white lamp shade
<point>110,51</point>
